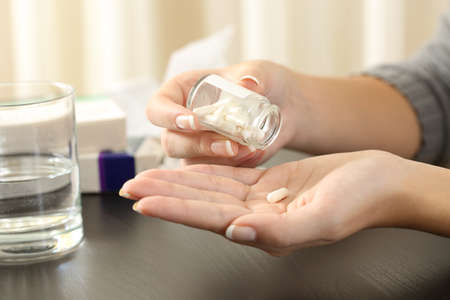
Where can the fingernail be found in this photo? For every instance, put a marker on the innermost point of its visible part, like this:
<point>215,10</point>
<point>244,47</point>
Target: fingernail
<point>136,207</point>
<point>243,155</point>
<point>185,122</point>
<point>252,78</point>
<point>240,233</point>
<point>124,194</point>
<point>224,148</point>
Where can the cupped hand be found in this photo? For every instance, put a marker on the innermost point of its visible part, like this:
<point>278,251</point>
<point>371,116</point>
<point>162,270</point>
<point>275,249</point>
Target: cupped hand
<point>330,197</point>
<point>183,136</point>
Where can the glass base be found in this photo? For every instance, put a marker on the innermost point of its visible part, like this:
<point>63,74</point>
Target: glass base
<point>39,246</point>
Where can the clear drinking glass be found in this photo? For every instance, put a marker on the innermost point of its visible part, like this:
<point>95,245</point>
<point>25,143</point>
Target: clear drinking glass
<point>40,209</point>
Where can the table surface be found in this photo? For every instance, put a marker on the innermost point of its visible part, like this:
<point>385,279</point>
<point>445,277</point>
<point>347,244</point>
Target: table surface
<point>129,256</point>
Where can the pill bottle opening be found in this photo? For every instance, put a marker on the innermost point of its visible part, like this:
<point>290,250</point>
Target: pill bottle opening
<point>270,124</point>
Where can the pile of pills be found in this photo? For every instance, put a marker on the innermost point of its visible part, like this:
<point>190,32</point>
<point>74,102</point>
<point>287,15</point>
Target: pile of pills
<point>233,117</point>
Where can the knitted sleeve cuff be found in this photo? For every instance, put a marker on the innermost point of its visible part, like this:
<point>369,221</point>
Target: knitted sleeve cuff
<point>425,103</point>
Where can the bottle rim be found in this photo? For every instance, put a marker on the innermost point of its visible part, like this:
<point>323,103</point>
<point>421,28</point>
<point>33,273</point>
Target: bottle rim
<point>274,111</point>
<point>193,91</point>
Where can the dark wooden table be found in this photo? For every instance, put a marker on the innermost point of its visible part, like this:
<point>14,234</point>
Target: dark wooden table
<point>129,256</point>
<point>132,257</point>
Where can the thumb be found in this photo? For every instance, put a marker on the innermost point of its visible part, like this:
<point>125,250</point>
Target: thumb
<point>249,77</point>
<point>271,230</point>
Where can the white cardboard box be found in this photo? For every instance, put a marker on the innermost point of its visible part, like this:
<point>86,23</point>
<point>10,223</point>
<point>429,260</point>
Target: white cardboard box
<point>101,125</point>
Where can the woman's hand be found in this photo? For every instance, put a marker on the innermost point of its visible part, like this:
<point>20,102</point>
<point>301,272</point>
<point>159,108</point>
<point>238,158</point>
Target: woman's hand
<point>183,137</point>
<point>330,198</point>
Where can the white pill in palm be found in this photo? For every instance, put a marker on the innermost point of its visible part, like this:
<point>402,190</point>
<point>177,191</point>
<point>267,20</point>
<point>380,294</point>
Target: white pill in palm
<point>277,195</point>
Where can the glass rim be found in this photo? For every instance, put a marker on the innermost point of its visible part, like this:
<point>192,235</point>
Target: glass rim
<point>65,90</point>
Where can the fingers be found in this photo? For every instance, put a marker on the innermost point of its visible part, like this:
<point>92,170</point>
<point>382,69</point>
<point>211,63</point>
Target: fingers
<point>199,214</point>
<point>250,82</point>
<point>247,176</point>
<point>188,145</point>
<point>167,107</point>
<point>144,186</point>
<point>200,181</point>
<point>164,112</point>
<point>250,75</point>
<point>244,158</point>
<point>206,145</point>
<point>264,229</point>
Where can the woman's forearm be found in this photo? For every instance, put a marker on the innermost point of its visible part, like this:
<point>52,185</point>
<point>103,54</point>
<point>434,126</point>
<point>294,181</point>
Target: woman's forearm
<point>356,113</point>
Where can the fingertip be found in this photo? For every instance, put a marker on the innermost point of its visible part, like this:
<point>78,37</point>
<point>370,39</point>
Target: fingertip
<point>241,233</point>
<point>130,189</point>
<point>250,78</point>
<point>252,83</point>
<point>137,207</point>
<point>229,232</point>
<point>124,193</point>
<point>232,148</point>
<point>188,122</point>
<point>225,148</point>
<point>271,228</point>
<point>245,153</point>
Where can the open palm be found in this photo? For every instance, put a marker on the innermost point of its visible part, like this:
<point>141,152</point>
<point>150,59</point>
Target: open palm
<point>322,205</point>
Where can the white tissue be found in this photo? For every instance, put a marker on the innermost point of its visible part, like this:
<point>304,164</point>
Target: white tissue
<point>213,51</point>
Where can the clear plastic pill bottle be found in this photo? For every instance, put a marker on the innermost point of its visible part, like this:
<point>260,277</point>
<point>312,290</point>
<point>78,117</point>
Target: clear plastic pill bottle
<point>235,112</point>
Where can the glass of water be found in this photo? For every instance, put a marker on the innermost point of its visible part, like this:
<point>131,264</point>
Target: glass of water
<point>40,209</point>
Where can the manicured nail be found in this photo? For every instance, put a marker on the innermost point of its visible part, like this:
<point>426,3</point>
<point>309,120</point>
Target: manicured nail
<point>124,194</point>
<point>252,78</point>
<point>240,233</point>
<point>244,154</point>
<point>136,207</point>
<point>223,148</point>
<point>185,122</point>
<point>229,148</point>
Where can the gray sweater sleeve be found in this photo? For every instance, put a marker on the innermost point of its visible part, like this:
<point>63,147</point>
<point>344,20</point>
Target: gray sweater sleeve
<point>424,80</point>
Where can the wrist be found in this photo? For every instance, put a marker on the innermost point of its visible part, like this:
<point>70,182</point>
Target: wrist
<point>390,193</point>
<point>427,192</point>
<point>300,113</point>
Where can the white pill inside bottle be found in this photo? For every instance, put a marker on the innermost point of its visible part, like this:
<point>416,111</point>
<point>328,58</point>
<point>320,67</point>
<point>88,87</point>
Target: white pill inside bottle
<point>235,112</point>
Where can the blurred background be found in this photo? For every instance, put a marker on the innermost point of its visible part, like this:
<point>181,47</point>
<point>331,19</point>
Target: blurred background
<point>99,45</point>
